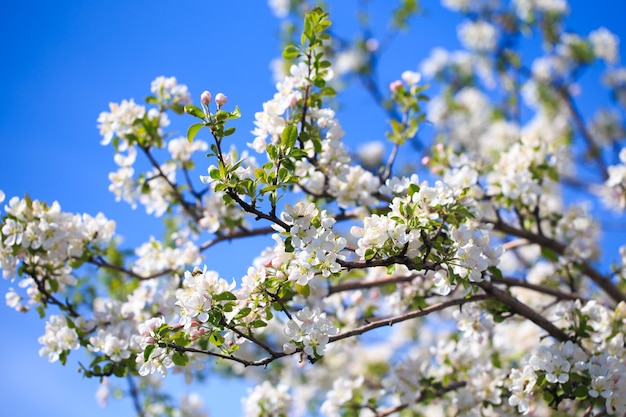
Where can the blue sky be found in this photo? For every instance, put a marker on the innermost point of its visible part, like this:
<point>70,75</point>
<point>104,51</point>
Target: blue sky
<point>63,62</point>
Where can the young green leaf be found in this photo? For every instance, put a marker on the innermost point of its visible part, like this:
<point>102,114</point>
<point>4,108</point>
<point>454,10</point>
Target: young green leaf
<point>193,131</point>
<point>290,52</point>
<point>194,111</point>
<point>289,136</point>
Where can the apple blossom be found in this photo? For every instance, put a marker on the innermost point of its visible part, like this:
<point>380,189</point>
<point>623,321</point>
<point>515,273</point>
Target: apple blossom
<point>479,286</point>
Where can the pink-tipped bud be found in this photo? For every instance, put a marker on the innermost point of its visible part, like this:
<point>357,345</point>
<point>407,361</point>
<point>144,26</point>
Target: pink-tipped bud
<point>205,98</point>
<point>395,85</point>
<point>220,99</point>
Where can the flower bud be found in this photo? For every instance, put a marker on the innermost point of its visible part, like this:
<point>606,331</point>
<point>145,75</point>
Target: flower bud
<point>205,98</point>
<point>220,99</point>
<point>395,85</point>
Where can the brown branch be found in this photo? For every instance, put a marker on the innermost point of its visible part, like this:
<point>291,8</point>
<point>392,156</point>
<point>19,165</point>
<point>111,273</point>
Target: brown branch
<point>51,299</point>
<point>513,282</point>
<point>594,149</point>
<point>179,197</point>
<point>600,280</point>
<point>236,235</point>
<point>252,339</point>
<point>261,362</point>
<point>408,316</point>
<point>523,310</point>
<point>100,262</point>
<point>392,260</point>
<point>355,332</point>
<point>134,394</point>
<point>253,210</point>
<point>362,285</point>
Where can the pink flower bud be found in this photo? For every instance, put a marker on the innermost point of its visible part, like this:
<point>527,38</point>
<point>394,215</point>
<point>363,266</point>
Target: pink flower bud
<point>205,98</point>
<point>372,44</point>
<point>220,99</point>
<point>395,85</point>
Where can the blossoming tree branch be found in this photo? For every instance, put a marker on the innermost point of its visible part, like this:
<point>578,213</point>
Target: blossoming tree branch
<point>477,286</point>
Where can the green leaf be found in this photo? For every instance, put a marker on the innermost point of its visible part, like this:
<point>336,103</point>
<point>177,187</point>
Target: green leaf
<point>119,371</point>
<point>226,295</point>
<point>63,357</point>
<point>243,312</point>
<point>215,317</point>
<point>268,189</point>
<point>229,131</point>
<point>324,64</point>
<point>181,338</point>
<point>227,199</point>
<point>319,82</point>
<point>163,330</point>
<point>290,52</point>
<point>235,114</point>
<point>283,174</point>
<point>193,131</point>
<point>495,271</point>
<point>216,339</point>
<point>329,91</point>
<point>289,136</point>
<point>180,359</point>
<point>288,245</point>
<point>147,352</point>
<point>54,285</point>
<point>258,323</point>
<point>194,111</point>
<point>76,263</point>
<point>272,151</point>
<point>549,254</point>
<point>581,392</point>
<point>297,153</point>
<point>303,289</point>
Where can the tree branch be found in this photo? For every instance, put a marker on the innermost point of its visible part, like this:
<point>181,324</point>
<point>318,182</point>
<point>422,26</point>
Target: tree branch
<point>408,316</point>
<point>600,280</point>
<point>523,310</point>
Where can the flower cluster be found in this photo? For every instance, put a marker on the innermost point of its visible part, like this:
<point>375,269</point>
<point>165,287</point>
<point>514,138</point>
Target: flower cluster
<point>408,275</point>
<point>316,248</point>
<point>155,258</point>
<point>266,400</point>
<point>309,329</point>
<point>271,121</point>
<point>159,359</point>
<point>120,122</point>
<point>168,91</point>
<point>129,126</point>
<point>596,371</point>
<point>195,298</point>
<point>116,332</point>
<point>59,338</point>
<point>37,237</point>
<point>181,149</point>
<point>341,393</point>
